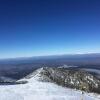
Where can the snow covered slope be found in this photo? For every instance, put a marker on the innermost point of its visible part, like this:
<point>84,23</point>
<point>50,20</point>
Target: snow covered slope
<point>36,90</point>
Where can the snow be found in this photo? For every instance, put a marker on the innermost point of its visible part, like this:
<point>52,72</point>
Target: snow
<point>36,90</point>
<point>67,66</point>
<point>92,70</point>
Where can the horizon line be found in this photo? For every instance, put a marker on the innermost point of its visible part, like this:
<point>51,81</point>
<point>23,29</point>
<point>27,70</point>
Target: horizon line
<point>25,57</point>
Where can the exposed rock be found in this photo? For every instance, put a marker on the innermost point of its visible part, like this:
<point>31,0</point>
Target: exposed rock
<point>78,79</point>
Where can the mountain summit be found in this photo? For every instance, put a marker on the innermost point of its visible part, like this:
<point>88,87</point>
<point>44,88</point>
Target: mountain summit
<point>41,85</point>
<point>78,79</point>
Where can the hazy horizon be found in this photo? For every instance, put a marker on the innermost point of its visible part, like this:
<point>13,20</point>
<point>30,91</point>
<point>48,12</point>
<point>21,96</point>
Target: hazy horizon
<point>67,54</point>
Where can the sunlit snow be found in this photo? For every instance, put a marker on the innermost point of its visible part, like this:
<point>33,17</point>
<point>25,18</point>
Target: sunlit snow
<point>35,90</point>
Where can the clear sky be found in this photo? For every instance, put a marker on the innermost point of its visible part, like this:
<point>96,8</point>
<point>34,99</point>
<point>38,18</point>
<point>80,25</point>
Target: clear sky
<point>47,27</point>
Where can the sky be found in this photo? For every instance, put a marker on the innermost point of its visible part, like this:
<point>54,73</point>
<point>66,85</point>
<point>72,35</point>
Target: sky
<point>49,27</point>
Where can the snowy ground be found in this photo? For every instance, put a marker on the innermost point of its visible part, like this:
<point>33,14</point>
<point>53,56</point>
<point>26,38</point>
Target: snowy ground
<point>35,90</point>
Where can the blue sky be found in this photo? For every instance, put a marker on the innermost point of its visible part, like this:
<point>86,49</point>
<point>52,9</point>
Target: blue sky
<point>48,27</point>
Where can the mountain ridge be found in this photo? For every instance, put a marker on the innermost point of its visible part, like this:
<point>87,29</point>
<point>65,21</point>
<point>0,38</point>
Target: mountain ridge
<point>78,79</point>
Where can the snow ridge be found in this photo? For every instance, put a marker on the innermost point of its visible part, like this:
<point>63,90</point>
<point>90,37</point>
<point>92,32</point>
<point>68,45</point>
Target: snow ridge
<point>81,80</point>
<point>38,90</point>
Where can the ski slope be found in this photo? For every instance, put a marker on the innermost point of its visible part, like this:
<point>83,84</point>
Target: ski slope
<point>36,90</point>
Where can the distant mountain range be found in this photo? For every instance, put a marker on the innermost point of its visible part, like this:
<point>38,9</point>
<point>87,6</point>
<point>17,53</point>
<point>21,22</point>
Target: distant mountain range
<point>90,58</point>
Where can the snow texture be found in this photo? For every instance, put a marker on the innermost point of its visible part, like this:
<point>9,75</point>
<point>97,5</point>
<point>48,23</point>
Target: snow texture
<point>36,90</point>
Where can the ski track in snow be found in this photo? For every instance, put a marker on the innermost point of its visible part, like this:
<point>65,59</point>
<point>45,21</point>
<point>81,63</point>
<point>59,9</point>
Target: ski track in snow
<point>35,90</point>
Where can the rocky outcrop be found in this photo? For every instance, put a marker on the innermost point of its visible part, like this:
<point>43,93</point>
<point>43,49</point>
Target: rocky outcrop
<point>78,79</point>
